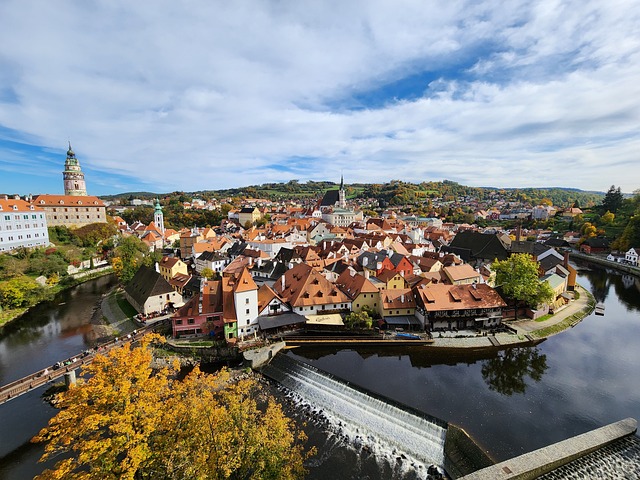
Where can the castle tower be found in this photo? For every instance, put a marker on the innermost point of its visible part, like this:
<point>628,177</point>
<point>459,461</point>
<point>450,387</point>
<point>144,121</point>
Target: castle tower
<point>158,217</point>
<point>342,199</point>
<point>73,177</point>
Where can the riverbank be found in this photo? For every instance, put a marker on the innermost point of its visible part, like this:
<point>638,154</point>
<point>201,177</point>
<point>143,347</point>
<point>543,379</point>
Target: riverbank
<point>9,315</point>
<point>524,332</point>
<point>602,260</point>
<point>113,316</point>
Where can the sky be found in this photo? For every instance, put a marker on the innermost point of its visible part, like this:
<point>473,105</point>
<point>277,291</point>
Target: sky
<point>187,95</point>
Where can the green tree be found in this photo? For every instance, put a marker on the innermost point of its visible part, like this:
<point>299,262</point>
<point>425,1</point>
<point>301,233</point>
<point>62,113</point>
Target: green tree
<point>127,257</point>
<point>19,292</point>
<point>612,201</point>
<point>518,278</point>
<point>129,422</point>
<point>207,273</point>
<point>360,319</point>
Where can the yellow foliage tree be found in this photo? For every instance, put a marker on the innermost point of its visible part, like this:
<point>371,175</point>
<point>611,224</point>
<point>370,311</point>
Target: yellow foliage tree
<point>130,422</point>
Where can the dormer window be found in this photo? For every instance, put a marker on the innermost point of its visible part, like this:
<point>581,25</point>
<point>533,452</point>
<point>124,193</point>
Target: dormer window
<point>31,207</point>
<point>79,202</point>
<point>61,202</point>
<point>15,207</point>
<point>41,202</point>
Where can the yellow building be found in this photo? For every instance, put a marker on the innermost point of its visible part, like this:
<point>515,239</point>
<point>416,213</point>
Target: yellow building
<point>172,266</point>
<point>249,215</point>
<point>359,289</point>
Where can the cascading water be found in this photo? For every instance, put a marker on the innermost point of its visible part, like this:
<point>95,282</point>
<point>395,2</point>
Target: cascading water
<point>365,419</point>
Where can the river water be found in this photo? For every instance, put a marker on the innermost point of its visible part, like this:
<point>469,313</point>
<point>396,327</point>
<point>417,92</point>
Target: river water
<point>49,332</point>
<point>510,402</point>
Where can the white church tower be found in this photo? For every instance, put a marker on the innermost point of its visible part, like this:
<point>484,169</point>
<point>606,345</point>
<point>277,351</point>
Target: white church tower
<point>158,217</point>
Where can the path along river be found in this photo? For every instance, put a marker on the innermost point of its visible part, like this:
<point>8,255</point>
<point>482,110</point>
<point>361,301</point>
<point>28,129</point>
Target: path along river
<point>511,401</point>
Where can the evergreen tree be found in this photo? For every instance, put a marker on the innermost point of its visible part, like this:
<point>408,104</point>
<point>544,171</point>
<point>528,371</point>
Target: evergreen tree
<point>612,200</point>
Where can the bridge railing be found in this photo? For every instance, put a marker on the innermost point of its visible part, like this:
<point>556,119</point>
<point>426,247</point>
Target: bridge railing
<point>52,372</point>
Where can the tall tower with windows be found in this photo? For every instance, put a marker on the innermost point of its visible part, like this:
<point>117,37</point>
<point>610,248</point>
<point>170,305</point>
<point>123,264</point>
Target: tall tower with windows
<point>73,177</point>
<point>158,216</point>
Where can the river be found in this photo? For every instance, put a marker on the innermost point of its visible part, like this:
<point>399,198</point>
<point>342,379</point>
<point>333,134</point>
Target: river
<point>47,333</point>
<point>510,402</point>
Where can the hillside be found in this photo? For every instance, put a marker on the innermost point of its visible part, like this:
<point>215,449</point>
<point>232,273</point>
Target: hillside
<point>394,192</point>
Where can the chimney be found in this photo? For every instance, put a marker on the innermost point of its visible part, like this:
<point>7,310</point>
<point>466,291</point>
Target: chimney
<point>283,285</point>
<point>157,267</point>
<point>565,263</point>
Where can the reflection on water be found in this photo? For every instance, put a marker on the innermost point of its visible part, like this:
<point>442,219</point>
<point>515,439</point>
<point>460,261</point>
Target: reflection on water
<point>47,333</point>
<point>506,372</point>
<point>510,401</point>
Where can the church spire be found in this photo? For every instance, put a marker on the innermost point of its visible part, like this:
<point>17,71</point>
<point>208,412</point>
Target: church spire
<point>342,198</point>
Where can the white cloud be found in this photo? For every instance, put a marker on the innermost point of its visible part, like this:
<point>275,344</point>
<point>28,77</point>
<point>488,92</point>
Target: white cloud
<point>192,95</point>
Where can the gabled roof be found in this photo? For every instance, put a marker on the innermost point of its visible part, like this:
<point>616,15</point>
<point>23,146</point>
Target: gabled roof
<point>477,246</point>
<point>244,282</point>
<point>208,301</point>
<point>67,200</point>
<point>397,298</point>
<point>386,275</point>
<point>549,262</point>
<point>147,283</point>
<point>353,284</point>
<point>265,295</point>
<point>169,262</point>
<point>304,286</point>
<point>441,297</point>
<point>456,273</point>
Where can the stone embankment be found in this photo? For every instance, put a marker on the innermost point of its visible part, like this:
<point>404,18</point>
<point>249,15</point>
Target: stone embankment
<point>602,260</point>
<point>550,460</point>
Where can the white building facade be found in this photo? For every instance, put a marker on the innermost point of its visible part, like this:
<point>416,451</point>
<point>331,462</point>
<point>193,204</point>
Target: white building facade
<point>21,225</point>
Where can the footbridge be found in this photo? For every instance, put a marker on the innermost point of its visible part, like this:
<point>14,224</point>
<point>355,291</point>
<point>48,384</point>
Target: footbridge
<point>69,365</point>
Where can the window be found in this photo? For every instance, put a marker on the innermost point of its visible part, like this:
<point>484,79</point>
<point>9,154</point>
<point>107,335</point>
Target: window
<point>246,300</point>
<point>178,322</point>
<point>191,321</point>
<point>248,322</point>
<point>247,311</point>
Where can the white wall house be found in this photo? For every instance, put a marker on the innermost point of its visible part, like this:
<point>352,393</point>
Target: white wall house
<point>21,225</point>
<point>632,255</point>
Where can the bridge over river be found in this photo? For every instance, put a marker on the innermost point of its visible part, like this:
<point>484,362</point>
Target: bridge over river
<point>53,372</point>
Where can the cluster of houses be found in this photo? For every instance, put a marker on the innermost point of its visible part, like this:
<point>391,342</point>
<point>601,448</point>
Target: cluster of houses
<point>300,271</point>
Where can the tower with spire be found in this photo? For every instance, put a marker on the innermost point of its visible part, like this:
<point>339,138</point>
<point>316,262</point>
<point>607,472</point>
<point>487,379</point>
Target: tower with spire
<point>342,198</point>
<point>158,216</point>
<point>74,184</point>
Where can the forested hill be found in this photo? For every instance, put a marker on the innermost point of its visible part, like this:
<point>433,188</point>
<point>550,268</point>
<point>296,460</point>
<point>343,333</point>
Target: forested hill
<point>395,192</point>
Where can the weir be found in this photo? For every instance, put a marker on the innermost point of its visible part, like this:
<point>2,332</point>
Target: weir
<point>379,422</point>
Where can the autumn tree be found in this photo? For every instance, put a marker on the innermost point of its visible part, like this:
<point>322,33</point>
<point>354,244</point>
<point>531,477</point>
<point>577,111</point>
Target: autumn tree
<point>207,273</point>
<point>127,421</point>
<point>518,278</point>
<point>127,257</point>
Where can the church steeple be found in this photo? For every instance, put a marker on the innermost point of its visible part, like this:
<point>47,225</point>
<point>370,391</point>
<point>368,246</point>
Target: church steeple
<point>158,216</point>
<point>72,175</point>
<point>342,198</point>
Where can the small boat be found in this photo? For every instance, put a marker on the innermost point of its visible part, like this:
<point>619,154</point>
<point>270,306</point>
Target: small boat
<point>407,336</point>
<point>600,308</point>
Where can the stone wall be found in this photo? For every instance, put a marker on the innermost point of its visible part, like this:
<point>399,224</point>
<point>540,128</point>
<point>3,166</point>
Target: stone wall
<point>257,357</point>
<point>544,460</point>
